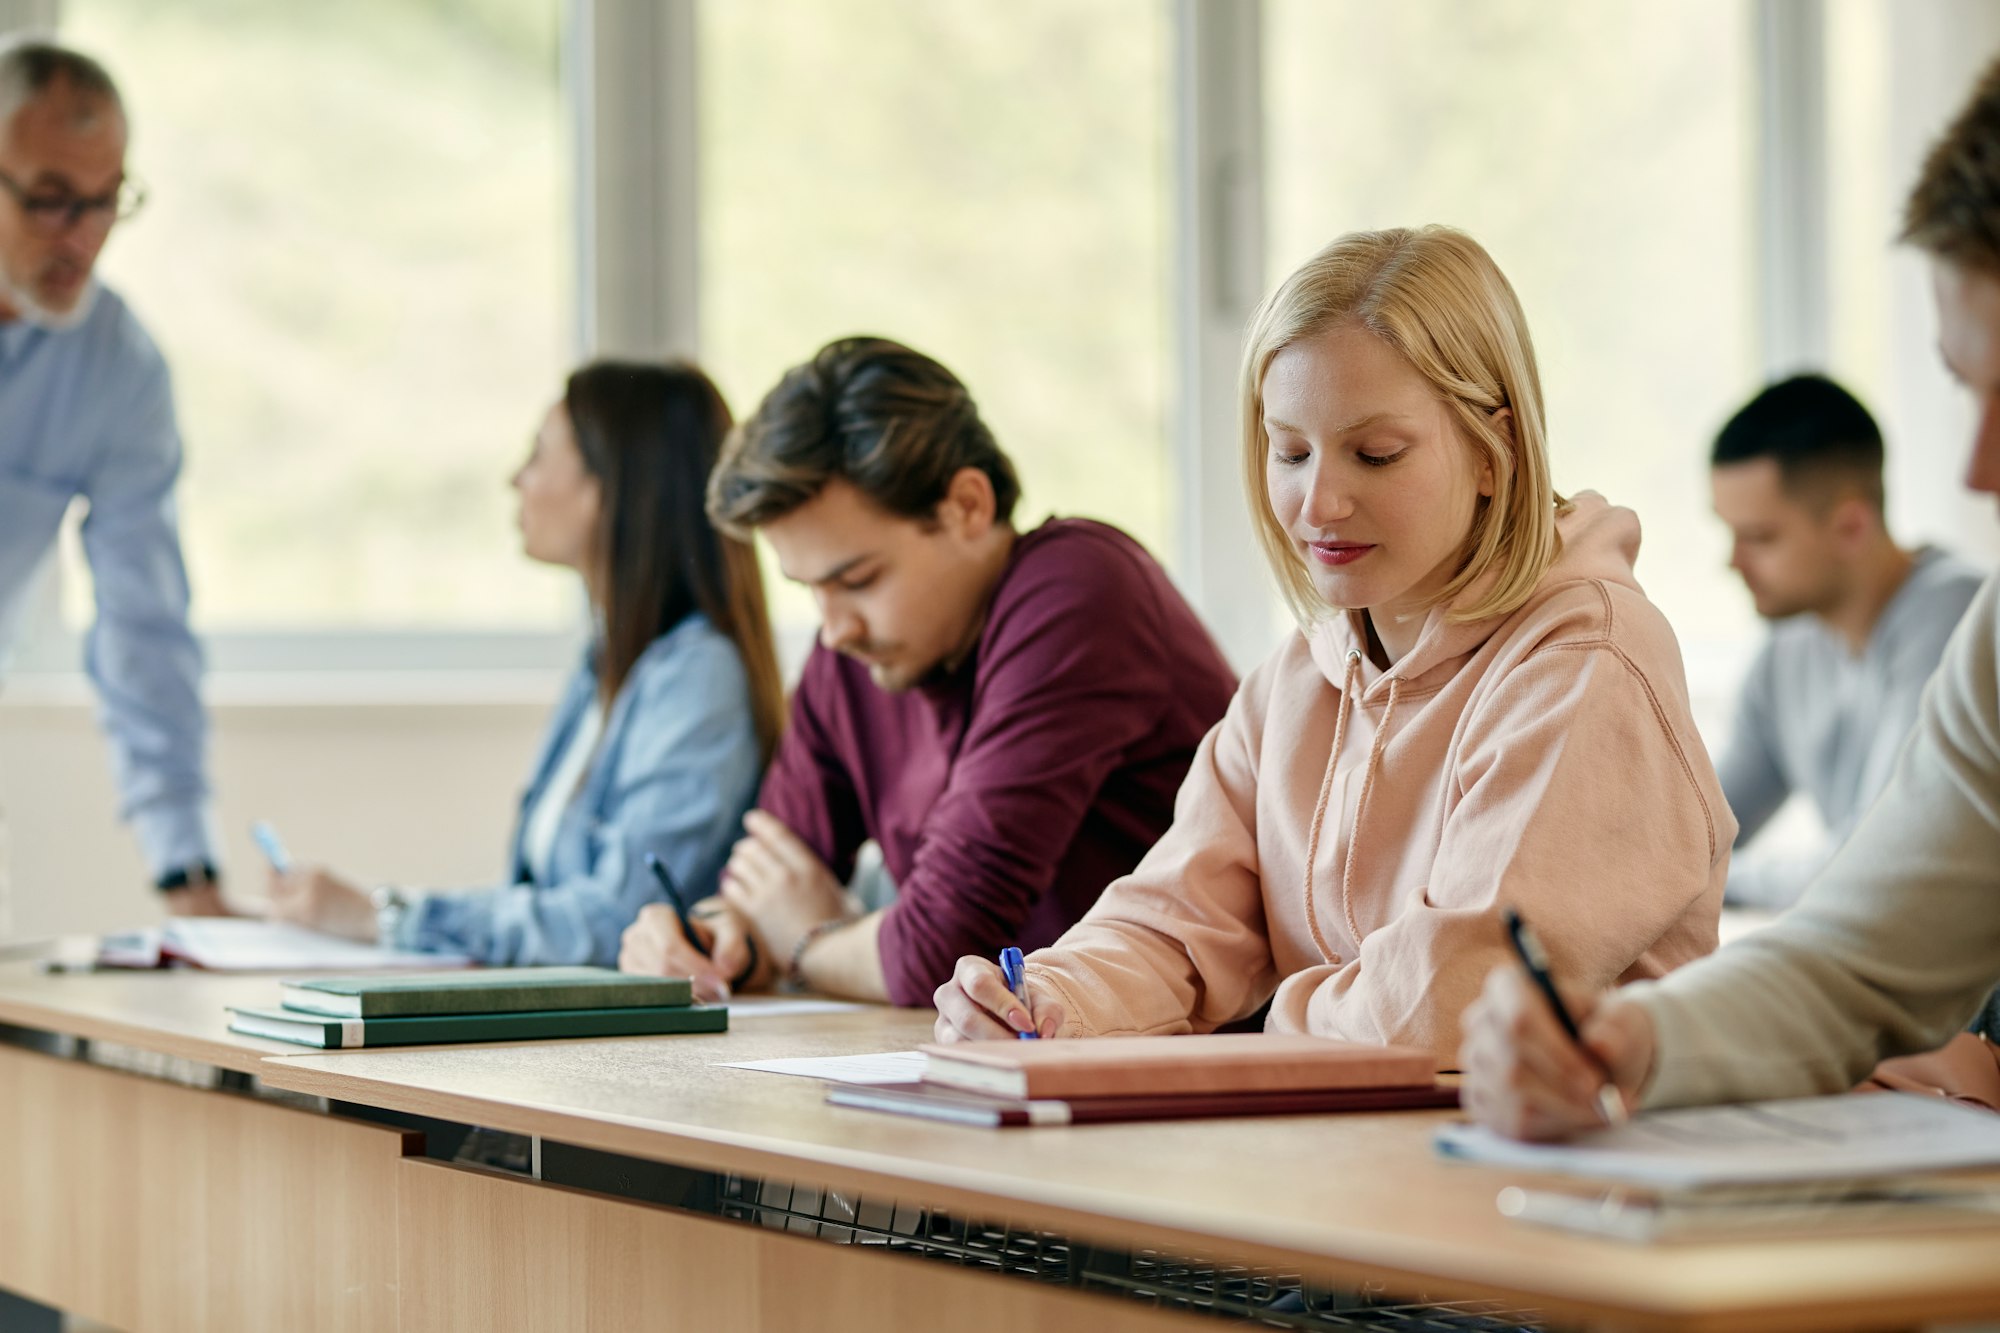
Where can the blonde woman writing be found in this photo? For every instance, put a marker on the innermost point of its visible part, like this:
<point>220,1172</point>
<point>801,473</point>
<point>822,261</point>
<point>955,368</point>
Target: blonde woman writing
<point>1480,709</point>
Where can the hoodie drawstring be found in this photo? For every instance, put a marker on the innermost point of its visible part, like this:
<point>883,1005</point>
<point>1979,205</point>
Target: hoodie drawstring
<point>1348,682</point>
<point>1361,811</point>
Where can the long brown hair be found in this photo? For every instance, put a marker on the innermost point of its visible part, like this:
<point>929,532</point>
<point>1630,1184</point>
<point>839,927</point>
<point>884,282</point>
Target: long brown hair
<point>650,433</point>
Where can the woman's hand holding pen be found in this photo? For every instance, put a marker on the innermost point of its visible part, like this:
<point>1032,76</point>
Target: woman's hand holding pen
<point>1526,1079</point>
<point>720,958</point>
<point>314,896</point>
<point>975,1005</point>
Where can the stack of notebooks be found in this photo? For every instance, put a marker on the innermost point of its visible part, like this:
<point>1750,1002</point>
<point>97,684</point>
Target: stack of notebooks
<point>503,1004</point>
<point>1096,1079</point>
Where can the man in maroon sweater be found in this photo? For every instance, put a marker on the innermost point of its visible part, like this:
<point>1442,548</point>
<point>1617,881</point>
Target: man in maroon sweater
<point>1007,714</point>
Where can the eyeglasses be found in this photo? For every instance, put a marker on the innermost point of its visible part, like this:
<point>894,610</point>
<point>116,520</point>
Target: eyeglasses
<point>53,212</point>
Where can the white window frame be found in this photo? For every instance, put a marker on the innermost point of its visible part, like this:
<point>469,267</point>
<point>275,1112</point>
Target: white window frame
<point>1219,227</point>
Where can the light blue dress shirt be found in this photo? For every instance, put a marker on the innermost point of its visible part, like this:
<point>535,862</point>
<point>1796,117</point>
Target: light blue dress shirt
<point>674,772</point>
<point>87,413</point>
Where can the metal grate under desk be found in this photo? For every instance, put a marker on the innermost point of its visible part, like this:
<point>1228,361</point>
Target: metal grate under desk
<point>1267,1297</point>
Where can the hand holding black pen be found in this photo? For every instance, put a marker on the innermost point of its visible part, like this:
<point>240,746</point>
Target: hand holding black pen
<point>697,938</point>
<point>1529,949</point>
<point>667,939</point>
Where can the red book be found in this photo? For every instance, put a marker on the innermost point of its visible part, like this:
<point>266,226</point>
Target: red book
<point>974,1108</point>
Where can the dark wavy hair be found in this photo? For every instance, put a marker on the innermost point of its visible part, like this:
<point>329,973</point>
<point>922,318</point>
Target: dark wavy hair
<point>889,420</point>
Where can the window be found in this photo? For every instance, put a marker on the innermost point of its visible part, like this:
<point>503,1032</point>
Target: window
<point>359,248</point>
<point>1894,76</point>
<point>987,183</point>
<point>355,258</point>
<point>1604,155</point>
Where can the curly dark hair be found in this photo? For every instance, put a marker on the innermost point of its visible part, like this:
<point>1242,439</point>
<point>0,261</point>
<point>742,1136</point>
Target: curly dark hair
<point>1954,210</point>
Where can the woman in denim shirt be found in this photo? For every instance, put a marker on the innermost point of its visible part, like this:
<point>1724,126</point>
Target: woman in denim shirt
<point>662,734</point>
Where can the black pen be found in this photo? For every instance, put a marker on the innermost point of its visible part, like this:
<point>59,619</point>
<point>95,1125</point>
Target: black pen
<point>1609,1103</point>
<point>660,872</point>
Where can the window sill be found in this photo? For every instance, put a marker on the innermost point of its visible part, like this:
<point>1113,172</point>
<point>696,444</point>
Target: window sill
<point>232,690</point>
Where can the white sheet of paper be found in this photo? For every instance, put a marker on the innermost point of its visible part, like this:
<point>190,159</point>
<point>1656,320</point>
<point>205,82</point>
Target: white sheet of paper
<point>1811,1138</point>
<point>883,1067</point>
<point>239,944</point>
<point>759,1006</point>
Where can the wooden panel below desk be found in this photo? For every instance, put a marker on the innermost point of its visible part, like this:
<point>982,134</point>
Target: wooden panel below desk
<point>488,1254</point>
<point>155,1207</point>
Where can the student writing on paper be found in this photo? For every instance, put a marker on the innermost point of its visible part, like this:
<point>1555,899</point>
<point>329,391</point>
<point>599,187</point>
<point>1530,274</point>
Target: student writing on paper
<point>1007,713</point>
<point>661,734</point>
<point>1895,946</point>
<point>1858,622</point>
<point>1479,709</point>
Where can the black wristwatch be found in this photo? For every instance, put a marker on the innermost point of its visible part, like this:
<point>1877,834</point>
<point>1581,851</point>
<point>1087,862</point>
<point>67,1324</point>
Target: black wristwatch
<point>198,872</point>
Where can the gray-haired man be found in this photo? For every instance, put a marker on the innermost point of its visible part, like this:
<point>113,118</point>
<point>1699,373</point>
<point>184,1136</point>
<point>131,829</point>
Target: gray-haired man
<point>86,412</point>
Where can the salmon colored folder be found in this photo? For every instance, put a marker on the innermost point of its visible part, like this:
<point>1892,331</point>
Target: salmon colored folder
<point>1173,1066</point>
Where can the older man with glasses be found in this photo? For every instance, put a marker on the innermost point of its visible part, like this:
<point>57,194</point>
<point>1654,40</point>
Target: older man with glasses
<point>86,412</point>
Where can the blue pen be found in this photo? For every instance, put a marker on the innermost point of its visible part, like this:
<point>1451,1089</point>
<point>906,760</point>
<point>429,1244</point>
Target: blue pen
<point>273,847</point>
<point>1015,971</point>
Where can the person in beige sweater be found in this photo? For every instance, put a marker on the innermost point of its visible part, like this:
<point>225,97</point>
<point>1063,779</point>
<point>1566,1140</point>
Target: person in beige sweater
<point>1896,944</point>
<point>1481,709</point>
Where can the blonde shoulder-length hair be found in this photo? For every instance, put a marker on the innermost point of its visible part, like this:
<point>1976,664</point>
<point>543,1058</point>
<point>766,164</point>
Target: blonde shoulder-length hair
<point>1437,297</point>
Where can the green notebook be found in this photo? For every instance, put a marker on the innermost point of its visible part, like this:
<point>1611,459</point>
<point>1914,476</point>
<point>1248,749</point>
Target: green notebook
<point>500,990</point>
<point>343,1033</point>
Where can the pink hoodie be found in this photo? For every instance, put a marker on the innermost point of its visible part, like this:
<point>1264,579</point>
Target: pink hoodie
<point>1348,837</point>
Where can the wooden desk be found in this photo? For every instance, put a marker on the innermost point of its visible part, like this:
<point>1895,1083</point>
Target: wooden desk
<point>1346,1200</point>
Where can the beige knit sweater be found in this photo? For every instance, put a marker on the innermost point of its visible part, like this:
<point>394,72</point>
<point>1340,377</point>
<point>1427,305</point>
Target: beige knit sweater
<point>1895,945</point>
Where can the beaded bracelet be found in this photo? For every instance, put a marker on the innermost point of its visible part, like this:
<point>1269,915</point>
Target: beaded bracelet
<point>793,973</point>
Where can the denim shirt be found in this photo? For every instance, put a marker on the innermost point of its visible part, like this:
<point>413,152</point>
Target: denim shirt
<point>675,771</point>
<point>87,413</point>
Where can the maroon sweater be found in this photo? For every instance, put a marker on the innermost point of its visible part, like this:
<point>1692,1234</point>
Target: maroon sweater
<point>1006,795</point>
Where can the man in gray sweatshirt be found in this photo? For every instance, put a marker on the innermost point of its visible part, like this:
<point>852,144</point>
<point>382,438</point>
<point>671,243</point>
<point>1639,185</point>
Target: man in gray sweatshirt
<point>1858,623</point>
<point>1896,945</point>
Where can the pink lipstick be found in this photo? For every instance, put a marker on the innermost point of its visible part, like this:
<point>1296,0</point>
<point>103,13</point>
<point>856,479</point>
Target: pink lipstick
<point>1339,553</point>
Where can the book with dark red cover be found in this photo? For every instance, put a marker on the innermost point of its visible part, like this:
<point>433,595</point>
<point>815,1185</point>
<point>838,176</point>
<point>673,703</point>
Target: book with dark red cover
<point>1174,1066</point>
<point>974,1108</point>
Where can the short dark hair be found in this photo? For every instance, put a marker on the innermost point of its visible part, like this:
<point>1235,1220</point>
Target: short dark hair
<point>889,420</point>
<point>1954,210</point>
<point>1817,432</point>
<point>28,67</point>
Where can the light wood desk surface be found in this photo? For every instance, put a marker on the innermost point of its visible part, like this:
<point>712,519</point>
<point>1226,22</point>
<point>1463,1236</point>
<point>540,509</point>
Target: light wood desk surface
<point>171,1012</point>
<point>1345,1199</point>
